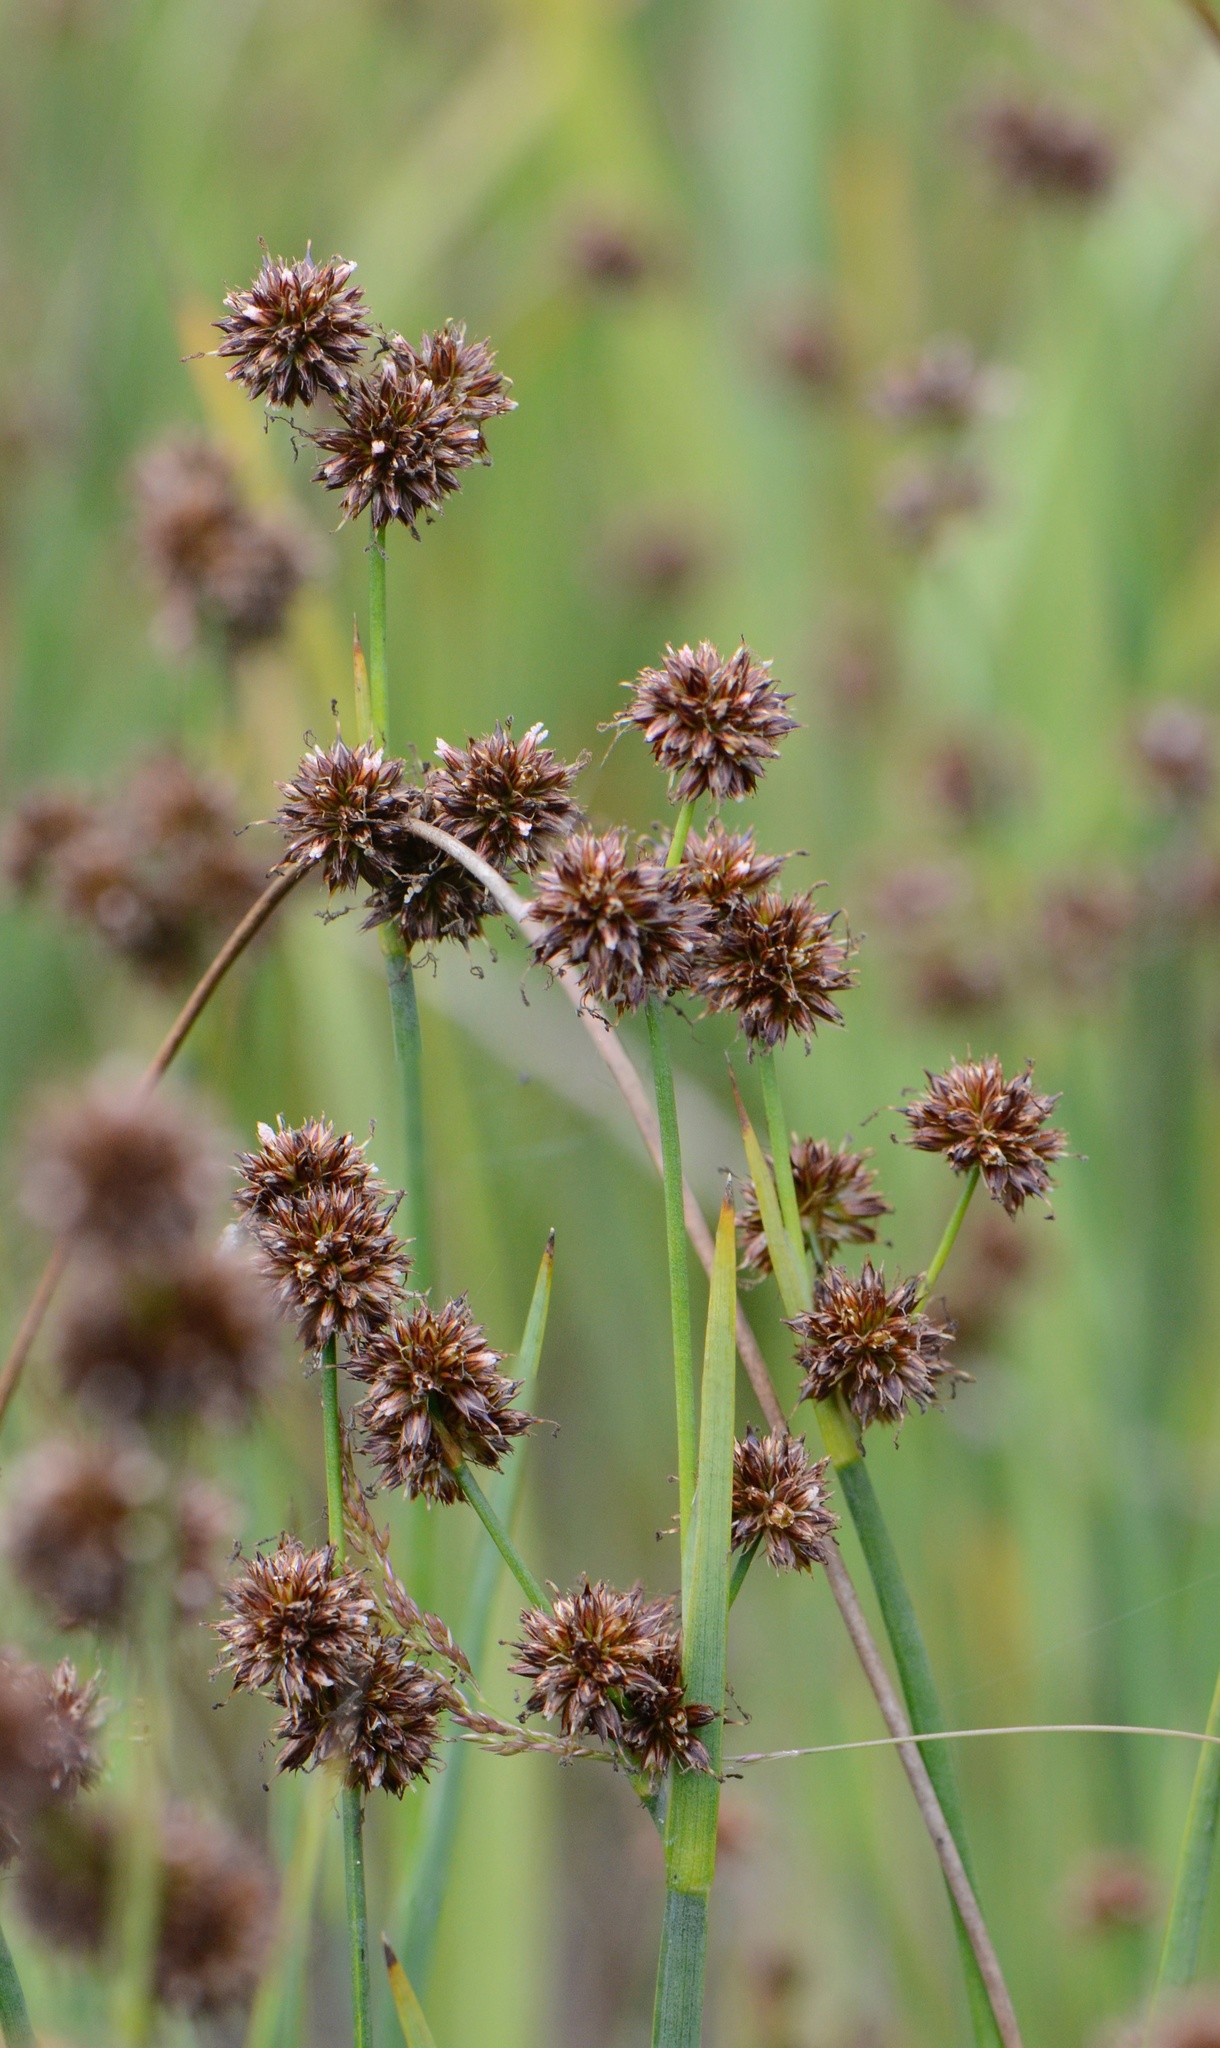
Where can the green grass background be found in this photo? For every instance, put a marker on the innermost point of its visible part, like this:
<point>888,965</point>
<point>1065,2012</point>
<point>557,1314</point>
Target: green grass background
<point>1059,1520</point>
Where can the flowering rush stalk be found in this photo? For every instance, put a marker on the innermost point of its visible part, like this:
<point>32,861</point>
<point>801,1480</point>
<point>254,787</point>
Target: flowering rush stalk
<point>351,1799</point>
<point>694,1797</point>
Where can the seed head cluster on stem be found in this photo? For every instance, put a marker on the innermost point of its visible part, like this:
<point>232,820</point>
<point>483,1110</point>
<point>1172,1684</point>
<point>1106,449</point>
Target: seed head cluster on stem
<point>976,1118</point>
<point>871,1343</point>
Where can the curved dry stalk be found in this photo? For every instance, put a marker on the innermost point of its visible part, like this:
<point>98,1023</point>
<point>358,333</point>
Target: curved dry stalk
<point>615,1056</point>
<point>234,946</point>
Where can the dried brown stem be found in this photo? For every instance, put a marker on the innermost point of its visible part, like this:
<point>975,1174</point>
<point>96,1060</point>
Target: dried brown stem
<point>53,1272</point>
<point>611,1050</point>
<point>1207,17</point>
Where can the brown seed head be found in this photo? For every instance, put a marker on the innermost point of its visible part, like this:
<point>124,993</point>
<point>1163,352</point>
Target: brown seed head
<point>837,1197</point>
<point>340,810</point>
<point>215,561</point>
<point>721,867</point>
<point>65,1878</point>
<point>711,724</point>
<point>1175,748</point>
<point>297,1627</point>
<point>291,1161</point>
<point>297,332</point>
<point>777,965</point>
<point>873,1343</point>
<point>779,1498</point>
<point>597,1643</point>
<point>945,386</point>
<point>510,800</point>
<point>382,1728</point>
<point>659,1724</point>
<point>427,895</point>
<point>85,1516</point>
<point>1053,152</point>
<point>48,1751</point>
<point>335,1261</point>
<point>977,1118</point>
<point>118,1170</point>
<point>629,932</point>
<point>399,447</point>
<point>192,1334</point>
<point>434,1367</point>
<point>217,1914</point>
<point>921,498</point>
<point>38,832</point>
<point>1114,1889</point>
<point>463,372</point>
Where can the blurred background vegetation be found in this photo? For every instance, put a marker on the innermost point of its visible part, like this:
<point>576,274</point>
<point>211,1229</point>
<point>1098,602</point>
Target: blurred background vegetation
<point>709,242</point>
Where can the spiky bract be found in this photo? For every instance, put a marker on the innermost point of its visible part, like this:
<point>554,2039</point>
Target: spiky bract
<point>398,448</point>
<point>297,1628</point>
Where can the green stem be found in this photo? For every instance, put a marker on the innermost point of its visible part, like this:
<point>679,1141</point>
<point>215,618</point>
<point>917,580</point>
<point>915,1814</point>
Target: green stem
<point>351,1801</point>
<point>679,1276</point>
<point>781,1156</point>
<point>14,2012</point>
<point>678,2015</point>
<point>681,833</point>
<point>408,1052</point>
<point>922,1703</point>
<point>1180,1954</point>
<point>947,1242</point>
<point>495,1528</point>
<point>741,1568</point>
<point>379,694</point>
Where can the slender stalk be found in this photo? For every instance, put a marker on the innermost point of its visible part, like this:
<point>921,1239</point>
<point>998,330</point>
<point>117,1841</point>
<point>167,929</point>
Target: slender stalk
<point>14,2012</point>
<point>694,1799</point>
<point>681,833</point>
<point>679,1277</point>
<point>741,1569</point>
<point>351,1803</point>
<point>1183,1931</point>
<point>372,691</point>
<point>495,1528</point>
<point>234,946</point>
<point>777,1132</point>
<point>949,1239</point>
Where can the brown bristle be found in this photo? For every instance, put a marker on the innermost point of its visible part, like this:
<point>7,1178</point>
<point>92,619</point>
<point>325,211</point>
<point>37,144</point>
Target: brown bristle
<point>340,811</point>
<point>120,1171</point>
<point>335,1261</point>
<point>428,896</point>
<point>398,448</point>
<point>509,800</point>
<point>836,1195</point>
<point>296,1627</point>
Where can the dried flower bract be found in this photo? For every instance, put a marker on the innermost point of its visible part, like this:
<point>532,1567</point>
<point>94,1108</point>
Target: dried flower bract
<point>628,931</point>
<point>712,724</point>
<point>297,332</point>
<point>779,1499</point>
<point>509,800</point>
<point>398,448</point>
<point>340,811</point>
<point>777,965</point>
<point>836,1194</point>
<point>873,1344</point>
<point>297,1628</point>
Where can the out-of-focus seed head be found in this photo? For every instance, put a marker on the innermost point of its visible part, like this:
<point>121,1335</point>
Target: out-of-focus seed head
<point>779,1499</point>
<point>335,1261</point>
<point>608,254</point>
<point>921,498</point>
<point>65,1878</point>
<point>1191,2021</point>
<point>510,800</point>
<point>597,1642</point>
<point>83,1519</point>
<point>298,332</point>
<point>383,1727</point>
<point>399,447</point>
<point>956,982</point>
<point>944,386</point>
<point>39,830</point>
<point>711,724</point>
<point>721,867</point>
<point>806,347</point>
<point>1175,748</point>
<point>1114,1889</point>
<point>659,1725</point>
<point>217,1915</point>
<point>463,372</point>
<point>192,1334</point>
<point>48,1748</point>
<point>121,1172</point>
<point>1084,923</point>
<point>292,1160</point>
<point>993,1255</point>
<point>873,1343</point>
<point>777,965</point>
<point>977,1118</point>
<point>836,1194</point>
<point>428,896</point>
<point>296,1627</point>
<point>1051,151</point>
<point>628,931</point>
<point>431,1371</point>
<point>340,811</point>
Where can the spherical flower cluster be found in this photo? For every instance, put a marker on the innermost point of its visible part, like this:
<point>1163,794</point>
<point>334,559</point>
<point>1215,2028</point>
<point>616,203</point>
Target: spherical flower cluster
<point>836,1195</point>
<point>711,724</point>
<point>871,1343</point>
<point>435,1396</point>
<point>779,1500</point>
<point>297,332</point>
<point>608,1663</point>
<point>629,931</point>
<point>777,966</point>
<point>981,1121</point>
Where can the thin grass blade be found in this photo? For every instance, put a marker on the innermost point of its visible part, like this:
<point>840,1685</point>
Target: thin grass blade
<point>415,2029</point>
